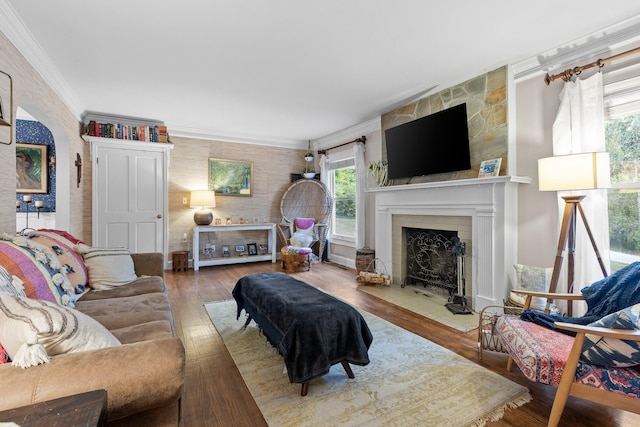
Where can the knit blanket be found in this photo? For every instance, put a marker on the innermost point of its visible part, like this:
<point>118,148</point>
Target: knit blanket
<point>609,295</point>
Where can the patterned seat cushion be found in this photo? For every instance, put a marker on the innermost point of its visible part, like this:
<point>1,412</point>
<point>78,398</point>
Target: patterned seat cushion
<point>541,354</point>
<point>295,250</point>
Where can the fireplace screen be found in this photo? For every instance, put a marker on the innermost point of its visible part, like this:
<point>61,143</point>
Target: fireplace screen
<point>431,259</point>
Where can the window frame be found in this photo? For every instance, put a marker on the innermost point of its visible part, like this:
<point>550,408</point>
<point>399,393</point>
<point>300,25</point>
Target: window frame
<point>346,161</point>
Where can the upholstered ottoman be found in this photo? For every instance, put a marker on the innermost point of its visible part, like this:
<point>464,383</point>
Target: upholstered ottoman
<point>295,257</point>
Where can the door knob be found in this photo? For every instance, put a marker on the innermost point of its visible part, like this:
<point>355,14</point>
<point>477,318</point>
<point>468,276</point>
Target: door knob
<point>159,216</point>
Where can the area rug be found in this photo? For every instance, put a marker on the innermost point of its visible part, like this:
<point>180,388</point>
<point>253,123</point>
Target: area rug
<point>425,303</point>
<point>410,381</point>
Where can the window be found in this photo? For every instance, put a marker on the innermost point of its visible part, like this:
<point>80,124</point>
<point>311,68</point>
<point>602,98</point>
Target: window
<point>622,135</point>
<point>342,176</point>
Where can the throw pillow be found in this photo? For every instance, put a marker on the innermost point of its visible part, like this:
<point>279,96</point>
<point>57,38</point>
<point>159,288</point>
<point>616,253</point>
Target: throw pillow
<point>107,267</point>
<point>69,259</point>
<point>9,284</point>
<point>611,352</point>
<point>304,234</point>
<point>32,331</point>
<point>38,268</point>
<point>529,278</point>
<point>4,356</point>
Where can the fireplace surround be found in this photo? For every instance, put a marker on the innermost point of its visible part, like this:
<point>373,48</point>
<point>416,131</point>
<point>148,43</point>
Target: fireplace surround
<point>491,206</point>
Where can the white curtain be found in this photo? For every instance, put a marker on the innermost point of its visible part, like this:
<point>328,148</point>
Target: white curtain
<point>324,170</point>
<point>361,184</point>
<point>579,128</point>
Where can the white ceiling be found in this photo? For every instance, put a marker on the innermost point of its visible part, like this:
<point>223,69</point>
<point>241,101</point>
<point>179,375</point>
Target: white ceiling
<point>284,71</point>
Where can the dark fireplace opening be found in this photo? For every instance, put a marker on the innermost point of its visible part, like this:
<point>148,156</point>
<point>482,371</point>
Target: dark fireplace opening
<point>431,258</point>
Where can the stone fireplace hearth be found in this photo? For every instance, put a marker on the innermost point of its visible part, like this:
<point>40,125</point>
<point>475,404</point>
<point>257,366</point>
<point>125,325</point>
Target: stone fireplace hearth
<point>489,205</point>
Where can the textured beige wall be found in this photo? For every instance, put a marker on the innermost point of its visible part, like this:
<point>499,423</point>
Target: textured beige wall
<point>188,168</point>
<point>32,93</point>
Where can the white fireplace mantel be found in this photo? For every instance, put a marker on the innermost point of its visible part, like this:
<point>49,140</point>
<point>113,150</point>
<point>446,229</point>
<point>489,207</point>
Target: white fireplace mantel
<point>492,205</point>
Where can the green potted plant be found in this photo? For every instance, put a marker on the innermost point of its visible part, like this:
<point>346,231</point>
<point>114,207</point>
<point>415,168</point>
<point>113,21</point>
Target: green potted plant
<point>309,156</point>
<point>379,171</point>
<point>309,173</point>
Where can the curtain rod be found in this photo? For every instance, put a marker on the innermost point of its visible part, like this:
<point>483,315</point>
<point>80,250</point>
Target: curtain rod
<point>362,139</point>
<point>566,74</point>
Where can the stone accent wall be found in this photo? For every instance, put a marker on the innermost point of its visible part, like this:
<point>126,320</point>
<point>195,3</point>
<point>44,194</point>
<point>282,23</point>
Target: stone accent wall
<point>486,98</point>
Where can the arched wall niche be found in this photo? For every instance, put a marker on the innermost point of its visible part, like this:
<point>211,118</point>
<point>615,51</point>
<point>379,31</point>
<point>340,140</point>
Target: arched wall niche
<point>29,111</point>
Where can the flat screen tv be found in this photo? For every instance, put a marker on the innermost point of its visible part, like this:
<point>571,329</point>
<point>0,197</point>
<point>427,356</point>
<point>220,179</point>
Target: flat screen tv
<point>432,144</point>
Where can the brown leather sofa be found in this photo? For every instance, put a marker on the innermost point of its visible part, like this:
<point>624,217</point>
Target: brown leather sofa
<point>144,377</point>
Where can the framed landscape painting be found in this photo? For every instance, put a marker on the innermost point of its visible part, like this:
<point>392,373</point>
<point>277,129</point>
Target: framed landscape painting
<point>31,168</point>
<point>230,177</point>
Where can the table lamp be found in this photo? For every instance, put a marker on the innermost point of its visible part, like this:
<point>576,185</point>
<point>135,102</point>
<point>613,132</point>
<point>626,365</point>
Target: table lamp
<point>573,172</point>
<point>203,199</point>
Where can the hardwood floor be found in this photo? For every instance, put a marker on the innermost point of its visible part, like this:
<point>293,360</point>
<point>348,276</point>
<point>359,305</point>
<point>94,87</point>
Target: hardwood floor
<point>215,394</point>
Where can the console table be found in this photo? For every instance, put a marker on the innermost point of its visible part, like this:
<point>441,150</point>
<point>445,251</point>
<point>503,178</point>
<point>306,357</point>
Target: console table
<point>269,227</point>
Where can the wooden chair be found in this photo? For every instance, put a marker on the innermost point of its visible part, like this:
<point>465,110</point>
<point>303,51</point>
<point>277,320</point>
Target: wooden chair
<point>306,198</point>
<point>548,356</point>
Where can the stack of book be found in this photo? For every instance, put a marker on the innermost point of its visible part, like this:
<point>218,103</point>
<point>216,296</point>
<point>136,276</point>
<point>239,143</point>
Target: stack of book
<point>155,133</point>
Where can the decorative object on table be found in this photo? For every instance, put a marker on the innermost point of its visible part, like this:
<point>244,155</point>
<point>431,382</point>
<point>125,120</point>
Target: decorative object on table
<point>202,199</point>
<point>240,220</point>
<point>27,201</point>
<point>256,220</point>
<point>263,248</point>
<point>490,168</point>
<point>379,171</point>
<point>573,172</point>
<point>252,248</point>
<point>218,221</point>
<point>225,251</point>
<point>229,220</point>
<point>31,168</point>
<point>230,177</point>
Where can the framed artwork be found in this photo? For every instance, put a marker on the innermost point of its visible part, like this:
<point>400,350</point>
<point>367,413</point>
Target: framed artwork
<point>31,168</point>
<point>252,248</point>
<point>230,178</point>
<point>240,248</point>
<point>225,251</point>
<point>218,221</point>
<point>490,168</point>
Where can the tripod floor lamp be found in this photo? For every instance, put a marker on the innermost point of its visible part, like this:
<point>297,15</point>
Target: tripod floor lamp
<point>573,172</point>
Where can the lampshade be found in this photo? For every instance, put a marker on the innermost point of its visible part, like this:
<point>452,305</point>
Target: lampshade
<point>202,198</point>
<point>583,171</point>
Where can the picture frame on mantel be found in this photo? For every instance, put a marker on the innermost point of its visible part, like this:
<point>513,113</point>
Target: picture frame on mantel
<point>490,168</point>
<point>31,168</point>
<point>230,177</point>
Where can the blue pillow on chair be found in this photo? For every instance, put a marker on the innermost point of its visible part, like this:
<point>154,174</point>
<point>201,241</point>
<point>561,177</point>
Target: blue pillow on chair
<point>611,352</point>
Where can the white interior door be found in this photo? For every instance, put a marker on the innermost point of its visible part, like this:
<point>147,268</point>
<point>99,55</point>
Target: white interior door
<point>129,198</point>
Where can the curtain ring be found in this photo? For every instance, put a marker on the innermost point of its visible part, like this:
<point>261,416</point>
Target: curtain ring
<point>600,63</point>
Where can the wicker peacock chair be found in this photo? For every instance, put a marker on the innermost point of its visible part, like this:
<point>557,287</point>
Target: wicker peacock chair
<point>306,198</point>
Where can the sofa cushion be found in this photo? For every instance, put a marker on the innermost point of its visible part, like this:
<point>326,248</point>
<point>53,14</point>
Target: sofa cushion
<point>140,286</point>
<point>609,352</point>
<point>4,356</point>
<point>32,331</point>
<point>304,234</point>
<point>116,313</point>
<point>156,329</point>
<point>63,248</point>
<point>107,267</point>
<point>42,275</point>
